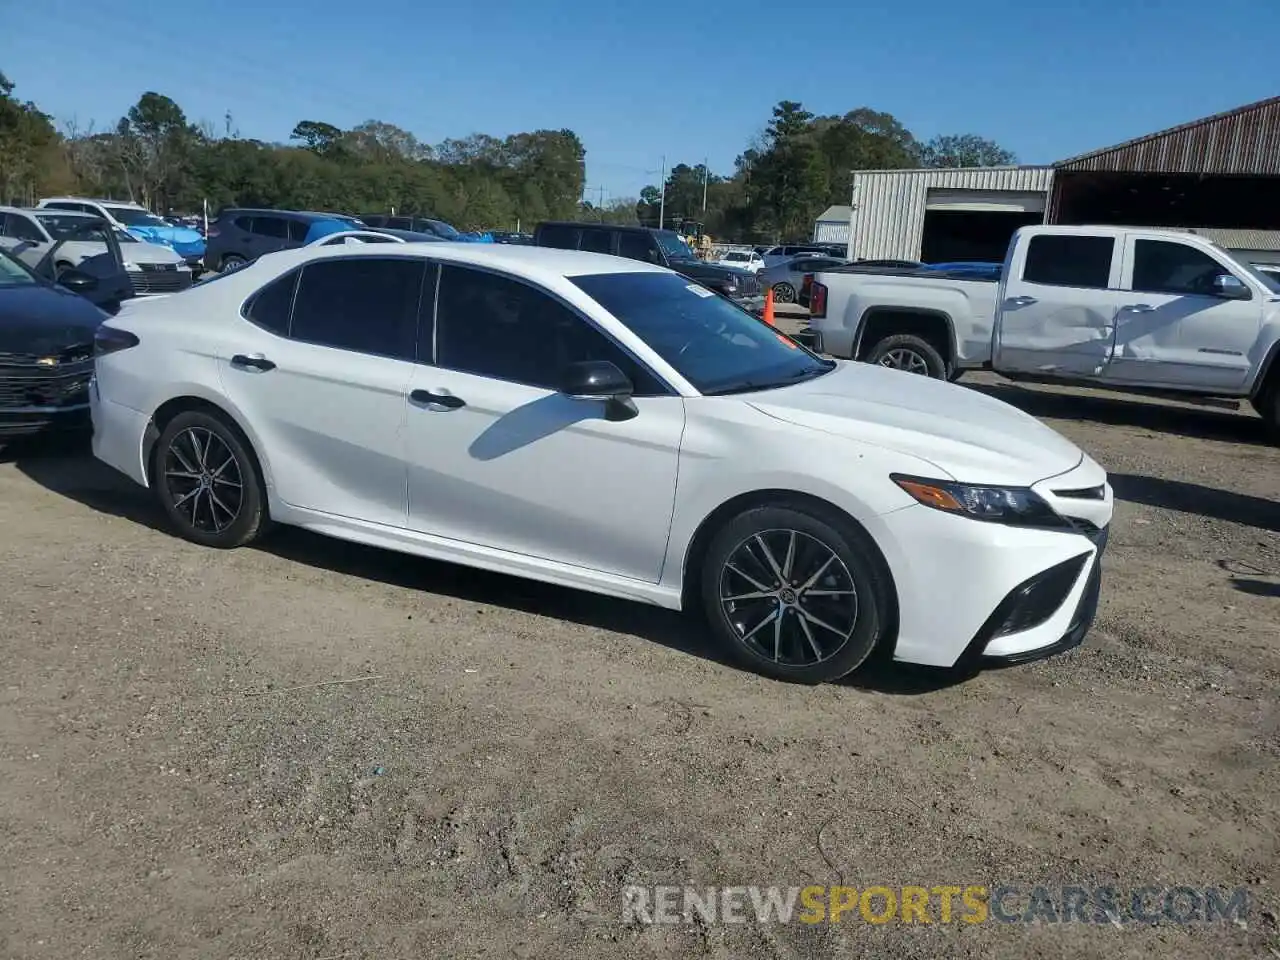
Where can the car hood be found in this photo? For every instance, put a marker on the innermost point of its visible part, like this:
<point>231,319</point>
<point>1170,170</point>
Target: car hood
<point>46,321</point>
<point>170,236</point>
<point>701,270</point>
<point>967,435</point>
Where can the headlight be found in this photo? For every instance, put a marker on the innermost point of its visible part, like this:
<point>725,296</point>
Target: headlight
<point>1012,505</point>
<point>731,284</point>
<point>131,267</point>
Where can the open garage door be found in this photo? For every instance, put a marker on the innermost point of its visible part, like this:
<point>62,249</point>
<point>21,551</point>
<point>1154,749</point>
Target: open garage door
<point>976,224</point>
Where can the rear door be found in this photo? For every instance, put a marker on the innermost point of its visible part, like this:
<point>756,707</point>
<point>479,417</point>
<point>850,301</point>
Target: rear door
<point>321,369</point>
<point>1174,329</point>
<point>1059,303</point>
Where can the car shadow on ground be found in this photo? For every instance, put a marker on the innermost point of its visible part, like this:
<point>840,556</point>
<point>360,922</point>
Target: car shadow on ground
<point>1129,411</point>
<point>1199,500</point>
<point>70,471</point>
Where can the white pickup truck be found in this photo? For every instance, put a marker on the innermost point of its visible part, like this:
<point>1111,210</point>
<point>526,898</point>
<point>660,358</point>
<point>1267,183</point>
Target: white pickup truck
<point>1145,310</point>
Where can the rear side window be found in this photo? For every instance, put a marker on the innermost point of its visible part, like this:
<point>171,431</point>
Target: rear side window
<point>269,308</point>
<point>364,304</point>
<point>271,227</point>
<point>298,230</point>
<point>1069,261</point>
<point>399,223</point>
<point>596,241</point>
<point>563,238</point>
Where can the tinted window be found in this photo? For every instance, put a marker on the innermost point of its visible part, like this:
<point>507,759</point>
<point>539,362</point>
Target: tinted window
<point>65,205</point>
<point>498,327</point>
<point>564,238</point>
<point>713,344</point>
<point>1161,266</point>
<point>269,307</point>
<point>365,304</point>
<point>400,223</point>
<point>20,228</point>
<point>271,227</point>
<point>298,230</point>
<point>596,241</point>
<point>1069,261</point>
<point>244,223</point>
<point>637,246</point>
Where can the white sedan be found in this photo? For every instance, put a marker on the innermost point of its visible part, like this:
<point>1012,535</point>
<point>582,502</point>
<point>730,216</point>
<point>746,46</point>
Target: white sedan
<point>607,425</point>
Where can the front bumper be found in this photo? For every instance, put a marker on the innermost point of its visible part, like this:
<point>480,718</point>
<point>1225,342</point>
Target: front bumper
<point>36,400</point>
<point>35,421</point>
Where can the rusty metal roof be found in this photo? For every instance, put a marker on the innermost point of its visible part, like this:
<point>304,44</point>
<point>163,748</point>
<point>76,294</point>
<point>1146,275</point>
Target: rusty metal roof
<point>1243,141</point>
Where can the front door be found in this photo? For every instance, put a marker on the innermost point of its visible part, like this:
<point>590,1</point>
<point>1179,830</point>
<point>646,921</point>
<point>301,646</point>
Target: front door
<point>1174,329</point>
<point>498,458</point>
<point>1057,306</point>
<point>325,385</point>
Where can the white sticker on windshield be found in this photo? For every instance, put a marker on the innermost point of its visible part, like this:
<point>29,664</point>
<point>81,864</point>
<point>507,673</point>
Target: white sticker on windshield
<point>700,290</point>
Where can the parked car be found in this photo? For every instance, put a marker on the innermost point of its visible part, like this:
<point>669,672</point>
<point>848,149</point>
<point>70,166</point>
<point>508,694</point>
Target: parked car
<point>839,251</point>
<point>790,279</point>
<point>783,252</point>
<point>374,236</point>
<point>46,353</point>
<point>741,259</point>
<point>505,236</point>
<point>1144,310</point>
<point>241,234</point>
<point>662,247</point>
<point>1269,269</point>
<point>94,267</point>
<point>439,228</point>
<point>151,268</point>
<point>528,410</point>
<point>136,220</point>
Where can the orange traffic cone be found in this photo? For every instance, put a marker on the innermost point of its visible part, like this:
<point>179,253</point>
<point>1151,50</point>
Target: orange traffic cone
<point>768,307</point>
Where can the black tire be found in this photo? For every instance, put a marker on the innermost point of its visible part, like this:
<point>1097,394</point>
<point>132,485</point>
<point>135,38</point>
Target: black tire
<point>186,476</point>
<point>231,261</point>
<point>852,623</point>
<point>906,351</point>
<point>1268,407</point>
<point>784,292</point>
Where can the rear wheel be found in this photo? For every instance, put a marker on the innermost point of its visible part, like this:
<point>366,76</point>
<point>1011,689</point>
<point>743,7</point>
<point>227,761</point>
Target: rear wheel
<point>207,482</point>
<point>230,262</point>
<point>912,354</point>
<point>1268,407</point>
<point>791,596</point>
<point>784,292</point>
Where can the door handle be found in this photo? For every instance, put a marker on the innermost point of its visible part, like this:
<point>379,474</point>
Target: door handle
<point>1022,301</point>
<point>1138,308</point>
<point>252,361</point>
<point>446,400</point>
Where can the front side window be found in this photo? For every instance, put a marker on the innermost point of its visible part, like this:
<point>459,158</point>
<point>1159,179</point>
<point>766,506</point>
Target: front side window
<point>364,304</point>
<point>637,246</point>
<point>1066,260</point>
<point>495,326</point>
<point>1164,266</point>
<point>673,245</point>
<point>716,346</point>
<point>20,228</point>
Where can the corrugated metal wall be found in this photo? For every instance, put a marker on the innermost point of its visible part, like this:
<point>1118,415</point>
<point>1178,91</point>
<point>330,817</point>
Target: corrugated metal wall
<point>828,231</point>
<point>889,205</point>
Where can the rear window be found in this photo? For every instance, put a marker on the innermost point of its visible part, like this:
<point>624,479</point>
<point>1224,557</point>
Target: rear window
<point>1069,261</point>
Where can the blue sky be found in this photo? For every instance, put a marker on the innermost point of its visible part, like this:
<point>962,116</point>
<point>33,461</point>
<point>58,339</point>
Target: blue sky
<point>637,81</point>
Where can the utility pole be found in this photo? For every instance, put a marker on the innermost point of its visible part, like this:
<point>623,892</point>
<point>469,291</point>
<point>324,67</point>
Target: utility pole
<point>600,205</point>
<point>662,204</point>
<point>704,189</point>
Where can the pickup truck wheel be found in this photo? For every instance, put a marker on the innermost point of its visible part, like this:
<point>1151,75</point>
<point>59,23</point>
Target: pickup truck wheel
<point>784,292</point>
<point>1268,408</point>
<point>905,351</point>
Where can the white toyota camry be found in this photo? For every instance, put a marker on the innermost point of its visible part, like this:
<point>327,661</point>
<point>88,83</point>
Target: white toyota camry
<point>607,425</point>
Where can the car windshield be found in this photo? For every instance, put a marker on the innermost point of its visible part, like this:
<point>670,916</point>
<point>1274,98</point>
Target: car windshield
<point>673,245</point>
<point>14,274</point>
<point>67,226</point>
<point>718,347</point>
<point>442,229</point>
<point>737,257</point>
<point>134,217</point>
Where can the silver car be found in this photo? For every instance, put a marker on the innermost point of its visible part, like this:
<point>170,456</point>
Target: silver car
<point>786,279</point>
<point>30,234</point>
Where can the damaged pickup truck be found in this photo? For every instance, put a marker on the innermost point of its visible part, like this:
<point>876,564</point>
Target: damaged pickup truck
<point>1162,312</point>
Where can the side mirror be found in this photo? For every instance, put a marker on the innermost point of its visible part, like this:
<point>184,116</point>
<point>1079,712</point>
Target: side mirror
<point>1230,288</point>
<point>77,281</point>
<point>600,380</point>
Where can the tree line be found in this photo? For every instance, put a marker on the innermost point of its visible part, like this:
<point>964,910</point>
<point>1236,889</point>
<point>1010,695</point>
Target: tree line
<point>156,155</point>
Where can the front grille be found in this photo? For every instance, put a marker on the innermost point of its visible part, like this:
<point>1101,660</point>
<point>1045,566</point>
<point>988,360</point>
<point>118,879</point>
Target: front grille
<point>1083,493</point>
<point>748,286</point>
<point>159,278</point>
<point>28,385</point>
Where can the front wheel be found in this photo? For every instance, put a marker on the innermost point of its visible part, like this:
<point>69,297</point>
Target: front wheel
<point>207,482</point>
<point>791,596</point>
<point>784,292</point>
<point>909,353</point>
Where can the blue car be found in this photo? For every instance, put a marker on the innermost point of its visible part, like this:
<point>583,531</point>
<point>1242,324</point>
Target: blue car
<point>140,223</point>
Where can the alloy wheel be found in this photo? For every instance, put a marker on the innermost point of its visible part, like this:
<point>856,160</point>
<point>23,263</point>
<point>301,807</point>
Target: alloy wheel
<point>784,292</point>
<point>903,358</point>
<point>204,480</point>
<point>789,597</point>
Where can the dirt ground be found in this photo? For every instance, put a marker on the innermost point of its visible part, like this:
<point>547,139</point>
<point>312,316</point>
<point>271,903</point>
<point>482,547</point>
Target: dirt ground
<point>176,782</point>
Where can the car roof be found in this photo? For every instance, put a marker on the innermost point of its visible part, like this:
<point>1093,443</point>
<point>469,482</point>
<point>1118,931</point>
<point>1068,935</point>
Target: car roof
<point>46,212</point>
<point>305,214</point>
<point>533,262</point>
<point>100,200</point>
